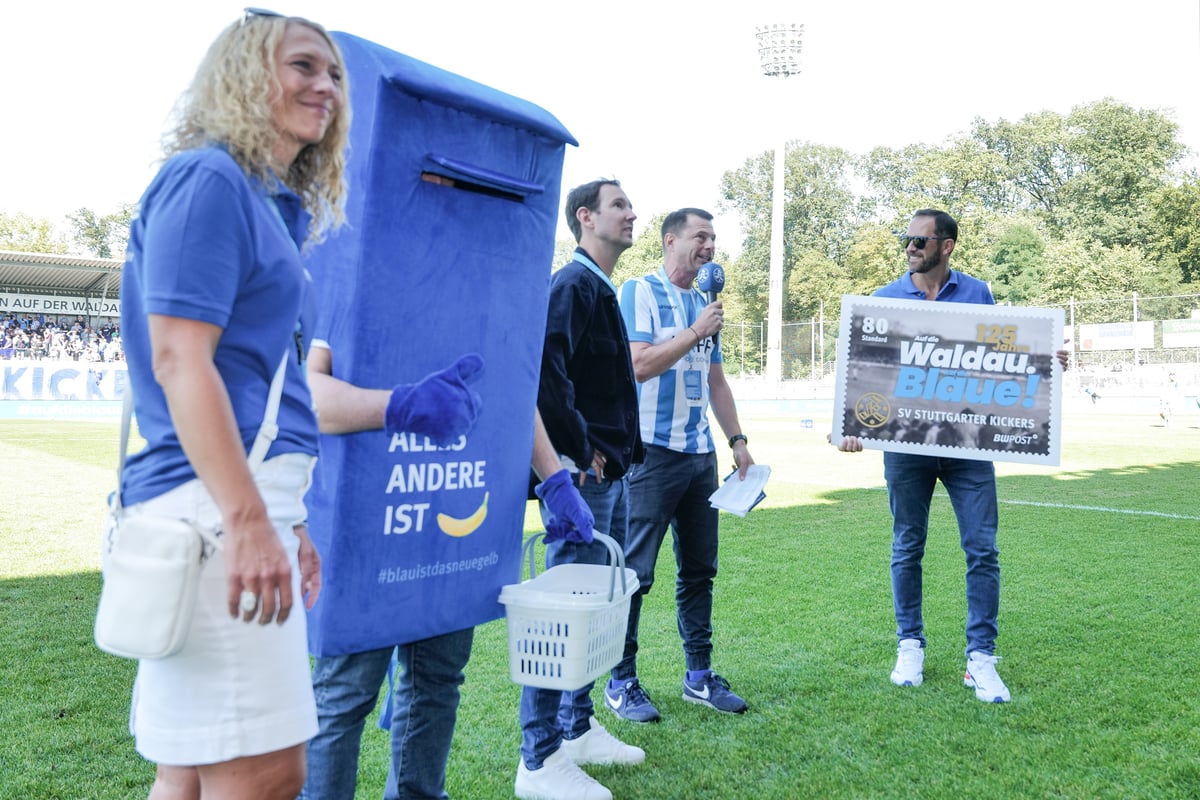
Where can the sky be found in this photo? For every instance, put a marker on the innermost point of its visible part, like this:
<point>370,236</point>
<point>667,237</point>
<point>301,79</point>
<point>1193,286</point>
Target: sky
<point>664,96</point>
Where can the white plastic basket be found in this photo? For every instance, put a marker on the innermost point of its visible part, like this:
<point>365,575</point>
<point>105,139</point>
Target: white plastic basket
<point>566,627</point>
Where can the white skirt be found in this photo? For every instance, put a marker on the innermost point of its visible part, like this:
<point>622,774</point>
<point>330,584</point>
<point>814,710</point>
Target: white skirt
<point>235,689</point>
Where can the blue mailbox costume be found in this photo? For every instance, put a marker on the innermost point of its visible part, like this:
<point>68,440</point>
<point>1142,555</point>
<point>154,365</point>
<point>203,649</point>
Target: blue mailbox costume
<point>448,248</point>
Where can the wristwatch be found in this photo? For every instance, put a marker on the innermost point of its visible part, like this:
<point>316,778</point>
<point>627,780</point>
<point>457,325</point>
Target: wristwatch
<point>738,437</point>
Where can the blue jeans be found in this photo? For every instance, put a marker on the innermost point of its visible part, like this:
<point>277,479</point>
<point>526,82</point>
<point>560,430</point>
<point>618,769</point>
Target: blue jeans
<point>671,489</point>
<point>424,709</point>
<point>972,489</point>
<point>548,715</point>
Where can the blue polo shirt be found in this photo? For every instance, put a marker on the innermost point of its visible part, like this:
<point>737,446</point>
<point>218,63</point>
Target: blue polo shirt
<point>959,288</point>
<point>212,245</point>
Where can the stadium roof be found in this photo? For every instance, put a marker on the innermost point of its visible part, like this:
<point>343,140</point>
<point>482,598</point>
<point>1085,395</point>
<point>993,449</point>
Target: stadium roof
<point>44,273</point>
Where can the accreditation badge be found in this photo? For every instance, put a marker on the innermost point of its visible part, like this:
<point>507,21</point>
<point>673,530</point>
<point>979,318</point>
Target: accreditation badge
<point>961,380</point>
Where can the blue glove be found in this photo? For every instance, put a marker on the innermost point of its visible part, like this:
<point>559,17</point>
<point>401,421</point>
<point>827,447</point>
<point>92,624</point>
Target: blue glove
<point>440,406</point>
<point>559,530</point>
<point>571,520</point>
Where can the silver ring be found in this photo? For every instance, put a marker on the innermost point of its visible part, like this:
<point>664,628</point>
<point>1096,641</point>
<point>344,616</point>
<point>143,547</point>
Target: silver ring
<point>248,601</point>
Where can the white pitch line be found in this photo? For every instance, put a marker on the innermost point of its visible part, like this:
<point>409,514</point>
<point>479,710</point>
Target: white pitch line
<point>1067,506</point>
<point>1104,509</point>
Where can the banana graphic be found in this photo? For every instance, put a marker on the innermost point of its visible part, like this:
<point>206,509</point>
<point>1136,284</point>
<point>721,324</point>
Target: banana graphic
<point>452,526</point>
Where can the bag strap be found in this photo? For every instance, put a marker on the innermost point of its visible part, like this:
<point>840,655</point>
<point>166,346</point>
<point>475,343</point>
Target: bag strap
<point>258,451</point>
<point>270,427</point>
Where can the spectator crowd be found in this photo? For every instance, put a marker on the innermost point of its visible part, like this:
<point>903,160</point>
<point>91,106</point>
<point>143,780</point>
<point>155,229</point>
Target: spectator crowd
<point>38,336</point>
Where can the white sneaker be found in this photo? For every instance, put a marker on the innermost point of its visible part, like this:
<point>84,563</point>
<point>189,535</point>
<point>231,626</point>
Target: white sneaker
<point>598,746</point>
<point>910,663</point>
<point>981,676</point>
<point>560,778</point>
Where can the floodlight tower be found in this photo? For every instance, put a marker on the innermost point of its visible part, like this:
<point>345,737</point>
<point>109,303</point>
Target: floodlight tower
<point>779,56</point>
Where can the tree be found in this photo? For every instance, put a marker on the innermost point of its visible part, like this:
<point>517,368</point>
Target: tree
<point>964,177</point>
<point>646,255</point>
<point>102,236</point>
<point>25,234</point>
<point>747,284</point>
<point>1018,259</point>
<point>1036,158</point>
<point>814,282</point>
<point>821,208</point>
<point>873,259</point>
<point>1094,171</point>
<point>1067,264</point>
<point>1085,272</point>
<point>1125,153</point>
<point>821,213</point>
<point>563,250</point>
<point>1175,227</point>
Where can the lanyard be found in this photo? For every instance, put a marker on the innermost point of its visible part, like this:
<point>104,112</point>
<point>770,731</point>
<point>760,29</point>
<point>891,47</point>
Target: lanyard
<point>676,297</point>
<point>587,262</point>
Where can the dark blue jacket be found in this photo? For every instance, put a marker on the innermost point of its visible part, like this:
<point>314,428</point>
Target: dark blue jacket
<point>587,395</point>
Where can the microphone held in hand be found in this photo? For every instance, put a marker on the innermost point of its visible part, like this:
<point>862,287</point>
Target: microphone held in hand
<point>711,280</point>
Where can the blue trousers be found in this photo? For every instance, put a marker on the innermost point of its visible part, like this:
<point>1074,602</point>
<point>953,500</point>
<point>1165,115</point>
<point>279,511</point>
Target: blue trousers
<point>424,709</point>
<point>548,715</point>
<point>671,490</point>
<point>972,489</point>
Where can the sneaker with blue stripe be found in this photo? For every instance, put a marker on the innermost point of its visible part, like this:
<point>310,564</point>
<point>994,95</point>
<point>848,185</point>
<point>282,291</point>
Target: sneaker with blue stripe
<point>628,700</point>
<point>713,691</point>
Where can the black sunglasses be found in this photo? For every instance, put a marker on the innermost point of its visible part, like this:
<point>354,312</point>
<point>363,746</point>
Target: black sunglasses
<point>918,242</point>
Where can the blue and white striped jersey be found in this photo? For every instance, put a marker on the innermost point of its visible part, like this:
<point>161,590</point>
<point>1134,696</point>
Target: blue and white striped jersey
<point>673,407</point>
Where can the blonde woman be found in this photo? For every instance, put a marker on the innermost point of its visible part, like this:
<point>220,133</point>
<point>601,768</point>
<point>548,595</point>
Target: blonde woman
<point>214,295</point>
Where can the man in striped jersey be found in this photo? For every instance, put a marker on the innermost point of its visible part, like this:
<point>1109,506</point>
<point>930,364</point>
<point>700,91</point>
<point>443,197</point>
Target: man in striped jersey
<point>677,363</point>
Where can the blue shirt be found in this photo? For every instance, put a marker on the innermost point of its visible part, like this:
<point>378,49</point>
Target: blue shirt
<point>959,288</point>
<point>673,406</point>
<point>212,245</point>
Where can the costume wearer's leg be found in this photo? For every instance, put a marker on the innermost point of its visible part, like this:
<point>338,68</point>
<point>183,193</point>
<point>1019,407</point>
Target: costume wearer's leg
<point>609,503</point>
<point>654,493</point>
<point>540,734</point>
<point>910,482</point>
<point>972,489</point>
<point>695,542</point>
<point>424,710</point>
<point>541,729</point>
<point>346,690</point>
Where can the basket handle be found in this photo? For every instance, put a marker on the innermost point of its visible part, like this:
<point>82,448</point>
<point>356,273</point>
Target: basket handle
<point>615,553</point>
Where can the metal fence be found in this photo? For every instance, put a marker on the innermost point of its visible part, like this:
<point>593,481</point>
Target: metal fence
<point>810,348</point>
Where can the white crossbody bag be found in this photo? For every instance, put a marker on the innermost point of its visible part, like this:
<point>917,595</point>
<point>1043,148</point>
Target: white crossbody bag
<point>151,562</point>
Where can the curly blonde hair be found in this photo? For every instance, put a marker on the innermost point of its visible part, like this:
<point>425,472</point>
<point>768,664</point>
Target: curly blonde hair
<point>229,103</point>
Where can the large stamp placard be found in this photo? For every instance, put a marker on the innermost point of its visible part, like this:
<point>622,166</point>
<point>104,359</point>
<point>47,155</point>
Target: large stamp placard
<point>952,379</point>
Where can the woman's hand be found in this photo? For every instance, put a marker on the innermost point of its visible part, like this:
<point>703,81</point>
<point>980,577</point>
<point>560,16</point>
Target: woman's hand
<point>257,570</point>
<point>310,567</point>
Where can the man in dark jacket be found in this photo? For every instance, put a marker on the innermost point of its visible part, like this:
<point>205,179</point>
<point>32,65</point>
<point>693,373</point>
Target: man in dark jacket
<point>588,401</point>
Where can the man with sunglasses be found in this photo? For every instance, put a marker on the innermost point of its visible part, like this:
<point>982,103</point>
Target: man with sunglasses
<point>971,485</point>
